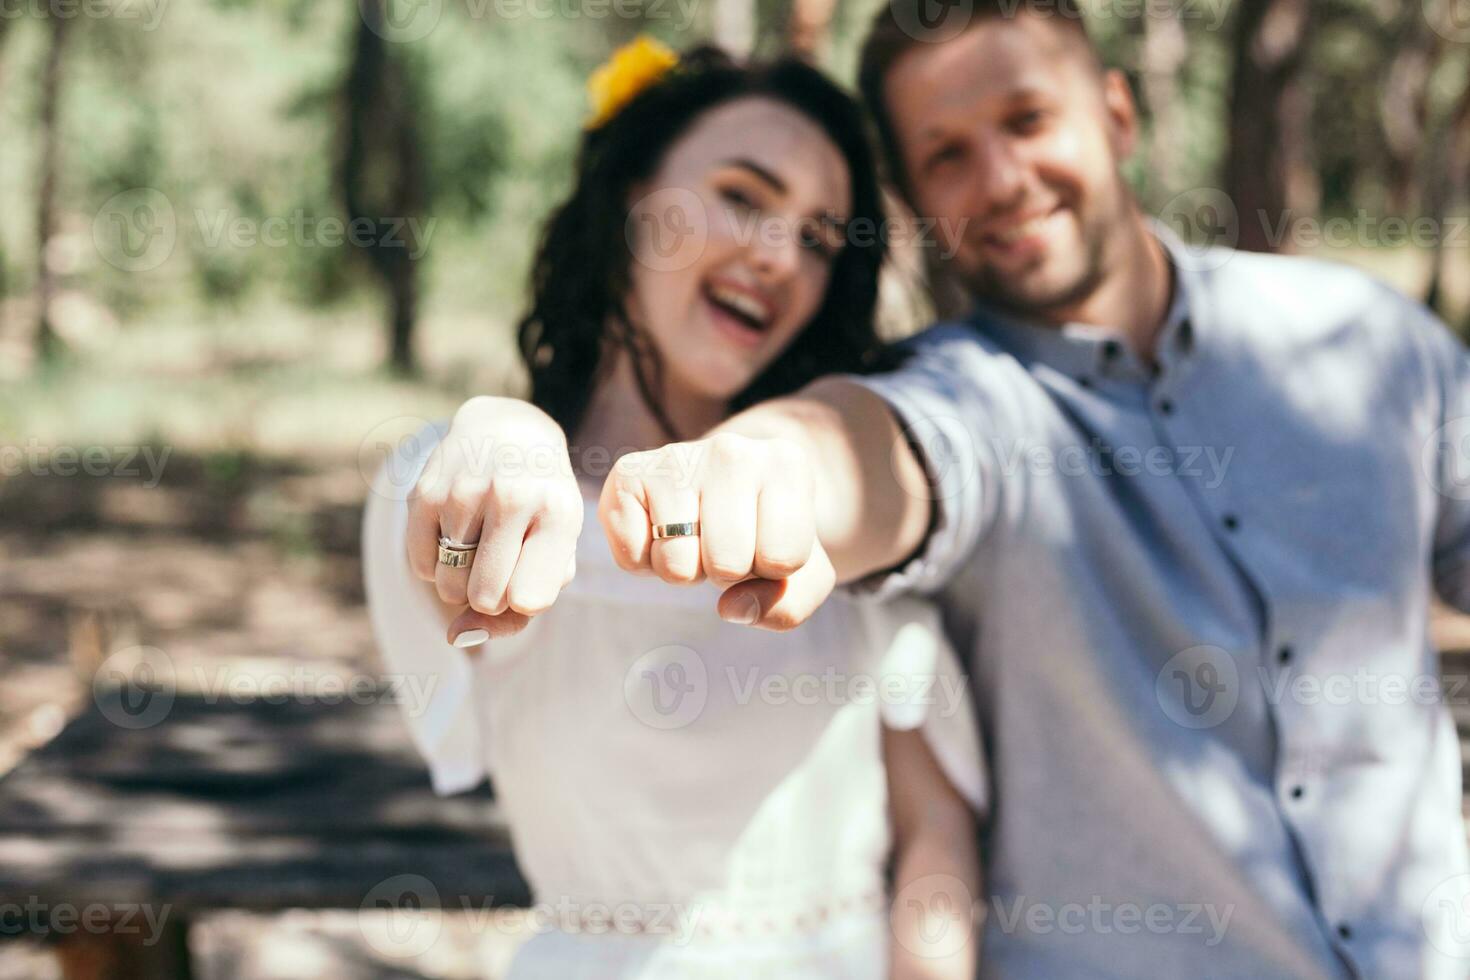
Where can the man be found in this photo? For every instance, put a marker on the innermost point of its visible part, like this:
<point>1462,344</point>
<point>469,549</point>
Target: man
<point>1183,509</point>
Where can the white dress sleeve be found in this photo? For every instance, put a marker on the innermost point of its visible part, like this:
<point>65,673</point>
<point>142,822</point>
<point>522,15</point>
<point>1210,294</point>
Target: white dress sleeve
<point>410,627</point>
<point>924,687</point>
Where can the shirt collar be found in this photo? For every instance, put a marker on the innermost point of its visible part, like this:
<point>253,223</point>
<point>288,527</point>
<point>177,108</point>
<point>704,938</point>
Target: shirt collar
<point>1087,350</point>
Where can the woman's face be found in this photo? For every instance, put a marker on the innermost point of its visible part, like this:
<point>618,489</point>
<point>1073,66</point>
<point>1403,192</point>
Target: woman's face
<point>733,242</point>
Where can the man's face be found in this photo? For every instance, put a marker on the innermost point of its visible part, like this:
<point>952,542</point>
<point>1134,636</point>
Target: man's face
<point>1011,137</point>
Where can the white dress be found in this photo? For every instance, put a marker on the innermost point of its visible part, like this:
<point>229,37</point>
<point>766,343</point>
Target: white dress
<point>687,798</point>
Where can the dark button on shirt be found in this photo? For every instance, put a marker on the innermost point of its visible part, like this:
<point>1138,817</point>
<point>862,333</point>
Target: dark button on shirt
<point>1116,638</point>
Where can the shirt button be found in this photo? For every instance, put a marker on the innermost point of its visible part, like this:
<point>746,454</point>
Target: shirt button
<point>1297,792</point>
<point>1230,521</point>
<point>1111,349</point>
<point>1166,407</point>
<point>1344,930</point>
<point>1084,382</point>
<point>1283,655</point>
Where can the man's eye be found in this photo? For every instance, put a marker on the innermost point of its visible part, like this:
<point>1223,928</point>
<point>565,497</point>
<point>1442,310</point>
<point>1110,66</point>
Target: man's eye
<point>1028,122</point>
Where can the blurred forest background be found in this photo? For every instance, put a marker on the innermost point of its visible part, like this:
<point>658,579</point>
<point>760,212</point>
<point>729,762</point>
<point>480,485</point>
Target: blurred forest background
<point>176,177</point>
<point>174,170</point>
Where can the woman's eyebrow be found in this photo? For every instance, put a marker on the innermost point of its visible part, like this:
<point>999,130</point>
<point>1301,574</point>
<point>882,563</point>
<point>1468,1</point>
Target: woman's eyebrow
<point>746,163</point>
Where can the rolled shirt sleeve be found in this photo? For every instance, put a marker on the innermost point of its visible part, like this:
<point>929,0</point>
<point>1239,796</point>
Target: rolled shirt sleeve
<point>946,397</point>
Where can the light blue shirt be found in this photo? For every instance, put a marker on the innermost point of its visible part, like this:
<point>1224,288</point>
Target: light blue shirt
<point>1195,602</point>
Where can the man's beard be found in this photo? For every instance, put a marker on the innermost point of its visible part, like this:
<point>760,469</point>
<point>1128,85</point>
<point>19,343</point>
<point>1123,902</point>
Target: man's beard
<point>988,287</point>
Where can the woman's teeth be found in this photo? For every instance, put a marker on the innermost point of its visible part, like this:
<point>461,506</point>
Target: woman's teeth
<point>747,306</point>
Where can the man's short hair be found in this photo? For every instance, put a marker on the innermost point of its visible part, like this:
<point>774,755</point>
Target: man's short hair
<point>902,25</point>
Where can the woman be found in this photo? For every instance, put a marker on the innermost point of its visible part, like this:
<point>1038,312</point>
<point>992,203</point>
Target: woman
<point>687,797</point>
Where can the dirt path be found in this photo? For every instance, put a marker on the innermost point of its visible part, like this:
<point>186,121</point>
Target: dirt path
<point>234,568</point>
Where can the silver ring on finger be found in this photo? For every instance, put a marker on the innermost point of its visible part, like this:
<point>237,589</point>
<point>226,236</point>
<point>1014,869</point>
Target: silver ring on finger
<point>456,554</point>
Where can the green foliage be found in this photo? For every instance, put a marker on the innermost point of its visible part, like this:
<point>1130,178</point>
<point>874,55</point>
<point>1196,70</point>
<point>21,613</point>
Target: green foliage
<point>231,109</point>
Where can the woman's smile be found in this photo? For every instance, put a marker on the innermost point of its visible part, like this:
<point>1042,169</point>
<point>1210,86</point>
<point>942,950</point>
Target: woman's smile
<point>739,313</point>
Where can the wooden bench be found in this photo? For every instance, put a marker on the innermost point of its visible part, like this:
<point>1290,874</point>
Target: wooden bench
<point>114,835</point>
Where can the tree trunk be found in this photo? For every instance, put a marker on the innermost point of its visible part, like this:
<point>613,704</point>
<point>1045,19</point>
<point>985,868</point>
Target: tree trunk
<point>809,29</point>
<point>381,175</point>
<point>5,23</point>
<point>1403,109</point>
<point>1165,50</point>
<point>1448,185</point>
<point>116,955</point>
<point>48,345</point>
<point>1268,172</point>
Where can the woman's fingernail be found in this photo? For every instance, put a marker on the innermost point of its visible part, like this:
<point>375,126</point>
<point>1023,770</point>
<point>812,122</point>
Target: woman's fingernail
<point>744,611</point>
<point>471,638</point>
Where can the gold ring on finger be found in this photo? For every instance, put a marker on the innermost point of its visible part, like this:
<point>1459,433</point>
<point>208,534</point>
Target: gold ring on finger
<point>687,530</point>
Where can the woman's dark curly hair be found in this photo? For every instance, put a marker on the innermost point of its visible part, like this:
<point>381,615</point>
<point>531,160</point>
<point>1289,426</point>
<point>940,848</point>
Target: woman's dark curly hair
<point>580,279</point>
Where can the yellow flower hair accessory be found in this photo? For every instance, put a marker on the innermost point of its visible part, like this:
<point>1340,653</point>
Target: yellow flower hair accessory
<point>630,70</point>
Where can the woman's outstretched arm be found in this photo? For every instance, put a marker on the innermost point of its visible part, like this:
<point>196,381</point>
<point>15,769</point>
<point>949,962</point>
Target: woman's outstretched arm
<point>500,478</point>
